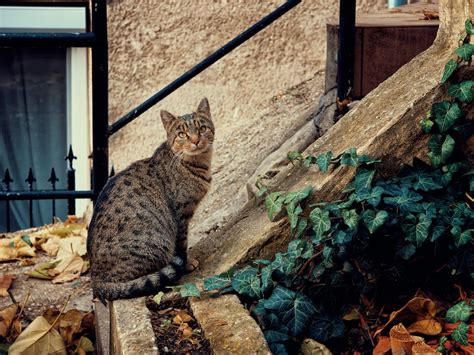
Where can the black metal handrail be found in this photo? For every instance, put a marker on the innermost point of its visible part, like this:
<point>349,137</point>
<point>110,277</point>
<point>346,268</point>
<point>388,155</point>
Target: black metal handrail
<point>204,64</point>
<point>97,41</point>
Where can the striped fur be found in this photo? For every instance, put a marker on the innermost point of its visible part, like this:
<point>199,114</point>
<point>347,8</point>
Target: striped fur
<point>137,238</point>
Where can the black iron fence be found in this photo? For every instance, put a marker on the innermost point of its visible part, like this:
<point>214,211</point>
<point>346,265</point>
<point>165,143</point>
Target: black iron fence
<point>96,40</point>
<point>70,194</point>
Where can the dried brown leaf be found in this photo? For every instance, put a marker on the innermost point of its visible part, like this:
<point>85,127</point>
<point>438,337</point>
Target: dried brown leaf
<point>14,248</point>
<point>42,271</point>
<point>5,283</point>
<point>383,346</point>
<point>39,338</point>
<point>70,324</point>
<point>425,326</point>
<point>7,315</point>
<point>416,309</point>
<point>421,348</point>
<point>72,271</point>
<point>401,341</point>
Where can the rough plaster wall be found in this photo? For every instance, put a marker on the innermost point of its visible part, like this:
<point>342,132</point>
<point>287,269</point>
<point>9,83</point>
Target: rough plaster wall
<point>153,42</point>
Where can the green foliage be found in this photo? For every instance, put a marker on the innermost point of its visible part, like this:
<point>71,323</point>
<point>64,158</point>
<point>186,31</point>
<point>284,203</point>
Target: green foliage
<point>460,312</point>
<point>449,69</point>
<point>462,91</point>
<point>296,293</point>
<point>460,334</point>
<point>188,290</point>
<point>465,51</point>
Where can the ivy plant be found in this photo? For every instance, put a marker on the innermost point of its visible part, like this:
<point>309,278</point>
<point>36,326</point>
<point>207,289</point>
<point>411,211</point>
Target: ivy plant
<point>378,225</point>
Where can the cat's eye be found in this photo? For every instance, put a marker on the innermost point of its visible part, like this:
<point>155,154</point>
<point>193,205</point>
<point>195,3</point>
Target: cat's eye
<point>182,135</point>
<point>203,129</point>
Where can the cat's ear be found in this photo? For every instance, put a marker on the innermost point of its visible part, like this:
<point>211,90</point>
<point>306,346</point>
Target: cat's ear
<point>204,108</point>
<point>167,119</point>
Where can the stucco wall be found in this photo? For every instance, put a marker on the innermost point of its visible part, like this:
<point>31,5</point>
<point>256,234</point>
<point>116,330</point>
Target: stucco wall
<point>152,42</point>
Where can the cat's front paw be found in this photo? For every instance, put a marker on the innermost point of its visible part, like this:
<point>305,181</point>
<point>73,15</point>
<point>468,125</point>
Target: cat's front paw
<point>191,265</point>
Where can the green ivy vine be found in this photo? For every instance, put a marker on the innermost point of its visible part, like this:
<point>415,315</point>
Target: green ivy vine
<point>360,247</point>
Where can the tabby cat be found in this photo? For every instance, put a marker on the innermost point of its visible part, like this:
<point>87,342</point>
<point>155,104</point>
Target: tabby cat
<point>137,238</point>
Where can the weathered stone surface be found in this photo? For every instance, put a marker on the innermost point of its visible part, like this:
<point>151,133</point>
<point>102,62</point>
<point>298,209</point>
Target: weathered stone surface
<point>385,124</point>
<point>131,329</point>
<point>312,347</point>
<point>228,326</point>
<point>102,329</point>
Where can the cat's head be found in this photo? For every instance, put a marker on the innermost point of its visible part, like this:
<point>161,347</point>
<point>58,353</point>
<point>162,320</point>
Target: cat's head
<point>191,134</point>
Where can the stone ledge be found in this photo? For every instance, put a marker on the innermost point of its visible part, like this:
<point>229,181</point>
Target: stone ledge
<point>131,330</point>
<point>228,326</point>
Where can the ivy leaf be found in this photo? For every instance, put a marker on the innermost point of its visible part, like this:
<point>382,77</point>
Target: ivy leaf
<point>462,91</point>
<point>426,124</point>
<point>266,276</point>
<point>277,335</point>
<point>283,263</point>
<point>219,281</point>
<point>297,196</point>
<point>294,155</point>
<point>278,349</point>
<point>363,179</point>
<point>404,200</point>
<point>426,183</point>
<point>407,251</point>
<point>449,69</point>
<point>246,282</point>
<point>446,113</point>
<point>438,231</point>
<point>465,51</point>
<point>468,27</point>
<point>189,290</point>
<point>374,221</point>
<point>441,147</point>
<point>300,249</point>
<point>324,160</point>
<point>300,228</point>
<point>459,312</point>
<point>273,204</point>
<point>262,191</point>
<point>321,222</point>
<point>372,196</point>
<point>350,158</point>
<point>365,159</point>
<point>460,334</point>
<point>293,309</point>
<point>350,218</point>
<point>325,327</point>
<point>308,160</point>
<point>293,214</point>
<point>462,238</point>
<point>422,229</point>
<point>341,237</point>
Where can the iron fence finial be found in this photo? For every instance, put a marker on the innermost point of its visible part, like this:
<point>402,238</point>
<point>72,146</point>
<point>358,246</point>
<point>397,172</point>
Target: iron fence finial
<point>7,179</point>
<point>70,157</point>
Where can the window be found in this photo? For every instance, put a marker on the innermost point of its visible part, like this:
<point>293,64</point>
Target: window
<point>44,108</point>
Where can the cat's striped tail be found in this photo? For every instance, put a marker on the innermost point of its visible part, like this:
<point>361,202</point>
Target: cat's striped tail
<point>142,286</point>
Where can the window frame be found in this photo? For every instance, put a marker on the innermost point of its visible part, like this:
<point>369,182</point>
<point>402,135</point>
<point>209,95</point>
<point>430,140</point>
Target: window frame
<point>60,19</point>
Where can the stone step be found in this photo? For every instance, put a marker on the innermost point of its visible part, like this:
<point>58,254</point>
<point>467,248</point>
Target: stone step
<point>225,322</point>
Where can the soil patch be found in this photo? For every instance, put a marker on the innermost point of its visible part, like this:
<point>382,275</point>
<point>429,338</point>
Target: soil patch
<point>176,330</point>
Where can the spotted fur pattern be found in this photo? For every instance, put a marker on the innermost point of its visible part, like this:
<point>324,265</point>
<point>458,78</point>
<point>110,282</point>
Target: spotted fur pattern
<point>137,238</point>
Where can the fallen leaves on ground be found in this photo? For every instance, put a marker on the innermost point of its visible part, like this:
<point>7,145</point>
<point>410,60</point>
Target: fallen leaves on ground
<point>419,312</point>
<point>37,339</point>
<point>5,284</point>
<point>7,316</point>
<point>15,248</point>
<point>52,333</point>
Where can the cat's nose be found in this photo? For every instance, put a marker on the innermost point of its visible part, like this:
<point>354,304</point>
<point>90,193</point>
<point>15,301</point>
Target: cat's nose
<point>194,138</point>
